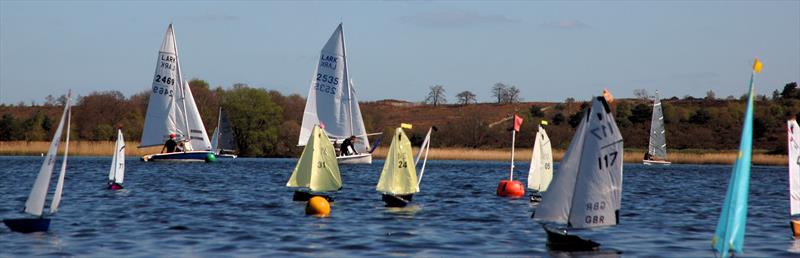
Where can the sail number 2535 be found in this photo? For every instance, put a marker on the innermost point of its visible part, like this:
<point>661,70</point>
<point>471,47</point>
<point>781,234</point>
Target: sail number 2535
<point>607,160</point>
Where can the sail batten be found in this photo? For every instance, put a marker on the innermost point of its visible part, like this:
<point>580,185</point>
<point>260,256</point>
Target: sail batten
<point>331,97</point>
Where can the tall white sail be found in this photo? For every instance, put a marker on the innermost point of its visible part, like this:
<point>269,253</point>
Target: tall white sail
<point>794,167</point>
<point>586,190</point>
<point>399,175</point>
<point>540,172</point>
<point>165,104</point>
<point>331,98</point>
<point>60,185</point>
<point>658,143</point>
<point>197,131</point>
<point>117,171</point>
<point>35,203</point>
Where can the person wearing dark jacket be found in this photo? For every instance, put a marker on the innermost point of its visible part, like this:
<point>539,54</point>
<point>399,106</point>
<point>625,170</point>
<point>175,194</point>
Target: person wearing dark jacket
<point>347,147</point>
<point>170,144</point>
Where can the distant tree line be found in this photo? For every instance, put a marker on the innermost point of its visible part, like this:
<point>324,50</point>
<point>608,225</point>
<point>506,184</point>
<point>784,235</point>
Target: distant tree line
<point>267,123</point>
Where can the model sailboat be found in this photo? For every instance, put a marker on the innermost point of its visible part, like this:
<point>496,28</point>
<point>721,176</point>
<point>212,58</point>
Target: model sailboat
<point>794,176</point>
<point>540,172</point>
<point>35,203</point>
<point>117,172</point>
<point>729,235</point>
<point>657,150</point>
<point>316,170</point>
<point>332,101</point>
<point>586,190</point>
<point>222,141</point>
<point>399,181</point>
<point>172,110</point>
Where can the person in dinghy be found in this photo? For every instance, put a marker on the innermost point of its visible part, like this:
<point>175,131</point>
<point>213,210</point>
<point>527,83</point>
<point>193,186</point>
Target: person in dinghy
<point>170,145</point>
<point>347,148</point>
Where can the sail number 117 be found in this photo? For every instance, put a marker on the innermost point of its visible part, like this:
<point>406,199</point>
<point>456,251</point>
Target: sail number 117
<point>607,160</point>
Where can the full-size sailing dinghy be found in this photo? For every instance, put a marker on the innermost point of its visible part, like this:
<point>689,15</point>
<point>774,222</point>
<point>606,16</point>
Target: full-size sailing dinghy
<point>222,141</point>
<point>399,181</point>
<point>332,102</point>
<point>36,199</point>
<point>316,171</point>
<point>586,191</point>
<point>657,149</point>
<point>729,235</point>
<point>117,172</point>
<point>794,176</point>
<point>540,172</point>
<point>172,110</point>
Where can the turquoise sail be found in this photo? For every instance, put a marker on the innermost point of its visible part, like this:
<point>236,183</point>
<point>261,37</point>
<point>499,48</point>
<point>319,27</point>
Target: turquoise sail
<point>729,236</point>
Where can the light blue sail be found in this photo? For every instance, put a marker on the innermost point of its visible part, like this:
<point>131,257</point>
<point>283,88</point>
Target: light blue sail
<point>729,235</point>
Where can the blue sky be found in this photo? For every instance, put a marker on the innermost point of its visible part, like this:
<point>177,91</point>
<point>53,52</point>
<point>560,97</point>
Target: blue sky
<point>397,49</point>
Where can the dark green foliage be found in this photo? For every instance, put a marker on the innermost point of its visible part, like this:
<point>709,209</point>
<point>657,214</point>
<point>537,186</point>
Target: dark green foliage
<point>255,119</point>
<point>558,119</point>
<point>641,113</point>
<point>700,117</point>
<point>536,111</point>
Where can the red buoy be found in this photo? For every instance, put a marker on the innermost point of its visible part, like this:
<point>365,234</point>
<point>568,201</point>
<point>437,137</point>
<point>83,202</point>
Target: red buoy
<point>510,188</point>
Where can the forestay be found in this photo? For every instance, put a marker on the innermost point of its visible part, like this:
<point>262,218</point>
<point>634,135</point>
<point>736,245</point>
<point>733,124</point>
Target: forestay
<point>794,167</point>
<point>586,190</point>
<point>658,143</point>
<point>399,174</point>
<point>117,172</point>
<point>332,99</point>
<point>35,203</point>
<point>540,172</point>
<point>317,169</point>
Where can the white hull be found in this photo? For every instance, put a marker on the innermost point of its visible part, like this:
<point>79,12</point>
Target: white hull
<point>364,158</point>
<point>656,162</point>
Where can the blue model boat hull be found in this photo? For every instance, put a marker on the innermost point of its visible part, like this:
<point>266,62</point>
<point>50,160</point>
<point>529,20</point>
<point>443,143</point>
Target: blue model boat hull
<point>199,156</point>
<point>28,225</point>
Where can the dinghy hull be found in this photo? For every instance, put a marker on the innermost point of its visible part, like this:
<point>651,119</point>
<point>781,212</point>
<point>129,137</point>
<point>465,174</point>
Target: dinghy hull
<point>226,156</point>
<point>365,158</point>
<point>397,200</point>
<point>115,186</point>
<point>561,241</point>
<point>28,225</point>
<point>189,156</point>
<point>656,162</point>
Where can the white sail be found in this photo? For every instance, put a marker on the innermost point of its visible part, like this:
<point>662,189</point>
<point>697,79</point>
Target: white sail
<point>586,190</point>
<point>331,98</point>
<point>165,98</point>
<point>317,169</point>
<point>117,171</point>
<point>60,185</point>
<point>398,176</point>
<point>35,203</point>
<point>540,172</point>
<point>658,144</point>
<point>794,167</point>
<point>197,131</point>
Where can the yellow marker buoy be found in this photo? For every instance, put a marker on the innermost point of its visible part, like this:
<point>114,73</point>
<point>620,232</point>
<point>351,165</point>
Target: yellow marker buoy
<point>318,206</point>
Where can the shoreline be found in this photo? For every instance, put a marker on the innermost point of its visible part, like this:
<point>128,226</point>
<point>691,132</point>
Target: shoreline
<point>105,148</point>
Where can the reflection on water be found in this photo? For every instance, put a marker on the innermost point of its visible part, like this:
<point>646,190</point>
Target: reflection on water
<point>242,208</point>
<point>795,247</point>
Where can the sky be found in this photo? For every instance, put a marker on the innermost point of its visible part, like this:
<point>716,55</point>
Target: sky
<point>550,50</point>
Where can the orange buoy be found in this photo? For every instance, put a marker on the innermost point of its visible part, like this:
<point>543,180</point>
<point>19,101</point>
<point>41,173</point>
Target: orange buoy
<point>510,188</point>
<point>318,206</point>
<point>796,228</point>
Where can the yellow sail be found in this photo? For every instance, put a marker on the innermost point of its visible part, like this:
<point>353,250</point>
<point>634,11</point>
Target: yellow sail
<point>399,176</point>
<point>317,169</point>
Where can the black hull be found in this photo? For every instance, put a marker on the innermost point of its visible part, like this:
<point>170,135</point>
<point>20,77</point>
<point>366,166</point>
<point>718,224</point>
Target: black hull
<point>536,197</point>
<point>561,241</point>
<point>396,200</point>
<point>303,196</point>
<point>28,225</point>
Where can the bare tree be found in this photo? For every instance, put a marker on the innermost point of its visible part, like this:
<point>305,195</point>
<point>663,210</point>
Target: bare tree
<point>641,94</point>
<point>710,95</point>
<point>500,91</point>
<point>436,95</point>
<point>512,95</point>
<point>466,98</point>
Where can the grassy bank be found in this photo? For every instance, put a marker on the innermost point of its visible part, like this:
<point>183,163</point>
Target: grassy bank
<point>105,148</point>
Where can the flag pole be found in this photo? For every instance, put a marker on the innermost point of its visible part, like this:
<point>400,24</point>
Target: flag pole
<point>513,138</point>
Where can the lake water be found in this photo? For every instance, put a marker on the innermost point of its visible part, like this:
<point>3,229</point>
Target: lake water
<point>241,208</point>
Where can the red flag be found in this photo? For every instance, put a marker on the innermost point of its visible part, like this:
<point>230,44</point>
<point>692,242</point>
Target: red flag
<point>517,122</point>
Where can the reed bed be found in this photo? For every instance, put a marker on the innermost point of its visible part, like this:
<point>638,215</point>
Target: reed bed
<point>76,148</point>
<point>105,148</point>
